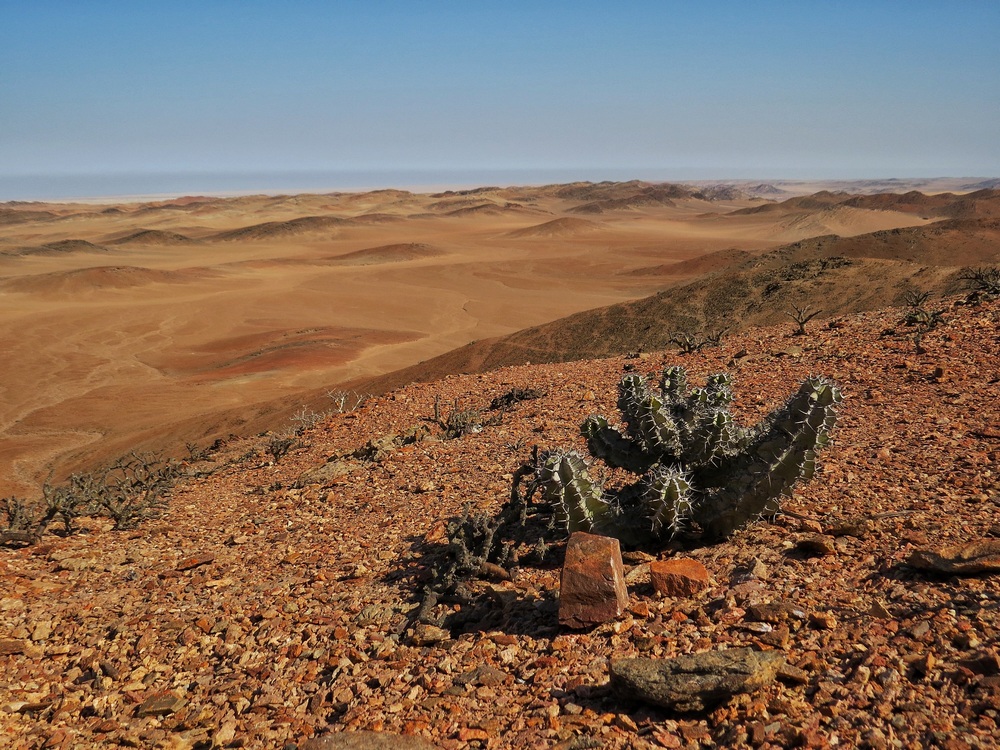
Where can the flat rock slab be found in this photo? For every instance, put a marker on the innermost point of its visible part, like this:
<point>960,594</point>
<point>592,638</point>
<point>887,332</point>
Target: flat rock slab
<point>960,559</point>
<point>195,561</point>
<point>367,741</point>
<point>592,588</point>
<point>680,577</point>
<point>696,682</point>
<point>11,646</point>
<point>161,704</point>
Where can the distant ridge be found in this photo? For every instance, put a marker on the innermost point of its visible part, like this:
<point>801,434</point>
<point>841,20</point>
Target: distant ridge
<point>564,227</point>
<point>492,209</point>
<point>59,247</point>
<point>984,202</point>
<point>838,275</point>
<point>95,279</point>
<point>397,253</point>
<point>991,184</point>
<point>662,195</point>
<point>152,237</point>
<point>273,229</point>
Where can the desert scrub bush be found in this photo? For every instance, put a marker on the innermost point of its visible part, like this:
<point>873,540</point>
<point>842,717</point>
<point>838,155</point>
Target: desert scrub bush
<point>345,402</point>
<point>919,317</point>
<point>689,343</point>
<point>459,421</point>
<point>67,502</point>
<point>801,316</point>
<point>479,542</point>
<point>20,521</point>
<point>278,446</point>
<point>915,298</point>
<point>130,490</point>
<point>983,281</point>
<point>305,419</point>
<point>695,464</point>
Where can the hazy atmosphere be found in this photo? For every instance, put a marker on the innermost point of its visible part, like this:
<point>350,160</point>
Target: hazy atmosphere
<point>377,93</point>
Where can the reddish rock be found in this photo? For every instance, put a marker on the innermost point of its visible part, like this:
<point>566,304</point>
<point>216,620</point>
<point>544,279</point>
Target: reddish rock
<point>592,589</point>
<point>11,646</point>
<point>195,561</point>
<point>161,704</point>
<point>678,577</point>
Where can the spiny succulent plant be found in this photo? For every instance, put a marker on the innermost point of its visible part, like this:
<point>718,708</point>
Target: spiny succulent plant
<point>695,463</point>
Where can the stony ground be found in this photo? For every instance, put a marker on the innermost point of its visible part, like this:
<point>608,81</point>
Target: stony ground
<point>276,600</point>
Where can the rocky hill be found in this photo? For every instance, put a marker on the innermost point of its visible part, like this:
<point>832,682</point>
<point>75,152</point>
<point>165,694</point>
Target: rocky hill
<point>279,597</point>
<point>730,291</point>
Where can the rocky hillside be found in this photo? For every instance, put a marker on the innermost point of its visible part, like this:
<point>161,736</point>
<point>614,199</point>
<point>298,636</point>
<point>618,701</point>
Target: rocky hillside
<point>730,291</point>
<point>277,598</point>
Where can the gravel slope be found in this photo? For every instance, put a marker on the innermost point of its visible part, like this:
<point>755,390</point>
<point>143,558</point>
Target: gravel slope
<point>255,614</point>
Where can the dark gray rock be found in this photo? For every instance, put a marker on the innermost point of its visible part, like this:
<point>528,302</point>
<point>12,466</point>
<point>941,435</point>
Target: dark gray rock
<point>696,682</point>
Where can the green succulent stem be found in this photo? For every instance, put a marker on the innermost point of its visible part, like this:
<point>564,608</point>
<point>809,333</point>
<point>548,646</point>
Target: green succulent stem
<point>695,464</point>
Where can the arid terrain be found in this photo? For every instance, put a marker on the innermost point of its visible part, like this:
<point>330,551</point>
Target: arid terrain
<point>282,592</point>
<point>151,325</point>
<point>277,601</point>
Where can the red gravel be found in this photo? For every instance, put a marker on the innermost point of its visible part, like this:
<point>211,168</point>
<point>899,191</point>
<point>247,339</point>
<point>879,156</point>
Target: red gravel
<point>254,614</point>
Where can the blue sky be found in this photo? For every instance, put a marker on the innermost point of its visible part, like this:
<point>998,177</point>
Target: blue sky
<point>708,89</point>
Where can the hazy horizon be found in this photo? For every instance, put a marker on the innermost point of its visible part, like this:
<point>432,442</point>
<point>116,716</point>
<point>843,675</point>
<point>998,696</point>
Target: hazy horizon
<point>151,185</point>
<point>654,90</point>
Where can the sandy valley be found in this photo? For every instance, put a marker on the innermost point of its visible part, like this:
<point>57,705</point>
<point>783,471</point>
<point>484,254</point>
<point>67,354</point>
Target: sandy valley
<point>151,324</point>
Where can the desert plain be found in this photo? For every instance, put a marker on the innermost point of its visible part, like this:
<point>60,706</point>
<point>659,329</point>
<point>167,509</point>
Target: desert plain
<point>150,325</point>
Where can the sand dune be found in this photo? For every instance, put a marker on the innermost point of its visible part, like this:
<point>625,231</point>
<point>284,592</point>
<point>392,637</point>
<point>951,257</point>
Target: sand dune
<point>376,218</point>
<point>564,227</point>
<point>492,209</point>
<point>387,254</point>
<point>61,247</point>
<point>151,237</point>
<point>14,216</point>
<point>840,220</point>
<point>227,314</point>
<point>286,229</point>
<point>96,279</point>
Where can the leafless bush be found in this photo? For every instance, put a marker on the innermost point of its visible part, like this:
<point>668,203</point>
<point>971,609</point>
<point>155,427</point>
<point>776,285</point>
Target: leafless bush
<point>19,516</point>
<point>983,281</point>
<point>67,502</point>
<point>801,316</point>
<point>345,402</point>
<point>278,446</point>
<point>198,453</point>
<point>689,343</point>
<point>128,491</point>
<point>306,419</point>
<point>132,489</point>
